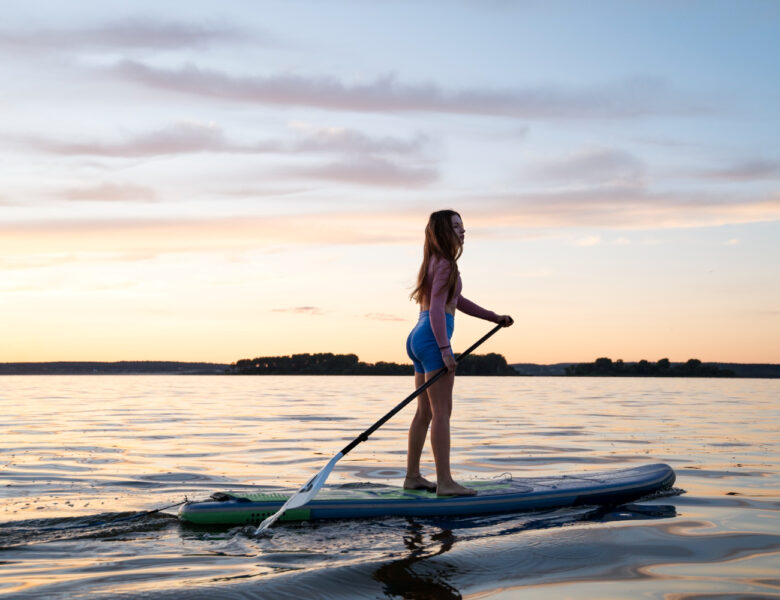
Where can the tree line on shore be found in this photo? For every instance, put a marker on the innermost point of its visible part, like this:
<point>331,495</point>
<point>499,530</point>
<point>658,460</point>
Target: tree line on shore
<point>605,367</point>
<point>349,364</point>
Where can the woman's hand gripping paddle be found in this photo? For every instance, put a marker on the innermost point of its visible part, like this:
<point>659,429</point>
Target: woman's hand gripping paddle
<point>311,487</point>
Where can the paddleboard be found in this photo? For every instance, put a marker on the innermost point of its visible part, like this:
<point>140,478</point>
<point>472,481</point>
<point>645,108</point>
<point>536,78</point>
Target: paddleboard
<point>494,496</point>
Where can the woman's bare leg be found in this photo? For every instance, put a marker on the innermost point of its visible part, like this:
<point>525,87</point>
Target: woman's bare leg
<point>418,431</point>
<point>440,396</point>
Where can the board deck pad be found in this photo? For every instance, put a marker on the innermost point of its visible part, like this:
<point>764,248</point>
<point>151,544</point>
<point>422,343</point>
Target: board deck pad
<point>494,496</point>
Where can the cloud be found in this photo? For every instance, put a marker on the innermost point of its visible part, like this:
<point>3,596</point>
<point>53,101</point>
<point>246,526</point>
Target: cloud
<point>261,192</point>
<point>335,139</point>
<point>196,235</point>
<point>597,240</point>
<point>629,98</point>
<point>603,166</point>
<point>370,170</point>
<point>749,170</point>
<point>55,259</point>
<point>107,192</point>
<point>188,137</point>
<point>668,142</point>
<point>383,317</point>
<point>127,33</point>
<point>591,240</point>
<point>626,207</point>
<point>300,310</point>
<point>180,138</point>
<point>504,216</point>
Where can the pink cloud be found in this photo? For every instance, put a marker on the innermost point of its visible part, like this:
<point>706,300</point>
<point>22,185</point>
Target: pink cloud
<point>301,310</point>
<point>351,141</point>
<point>383,317</point>
<point>188,137</point>
<point>607,166</point>
<point>128,33</point>
<point>748,170</point>
<point>181,138</point>
<point>370,171</point>
<point>507,216</point>
<point>107,192</point>
<point>624,99</point>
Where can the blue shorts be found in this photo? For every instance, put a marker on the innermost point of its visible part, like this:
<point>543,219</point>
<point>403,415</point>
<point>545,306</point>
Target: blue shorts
<point>422,347</point>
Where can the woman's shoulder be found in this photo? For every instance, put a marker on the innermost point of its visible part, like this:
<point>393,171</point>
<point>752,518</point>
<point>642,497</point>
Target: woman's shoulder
<point>438,264</point>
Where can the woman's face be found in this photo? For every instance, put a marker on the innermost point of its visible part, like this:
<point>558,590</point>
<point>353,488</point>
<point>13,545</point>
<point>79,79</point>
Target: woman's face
<point>457,227</point>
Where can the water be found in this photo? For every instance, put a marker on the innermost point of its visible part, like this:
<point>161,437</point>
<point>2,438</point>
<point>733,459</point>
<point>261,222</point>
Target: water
<point>84,457</point>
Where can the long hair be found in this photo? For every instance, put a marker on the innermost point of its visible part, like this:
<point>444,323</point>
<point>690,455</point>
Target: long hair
<point>440,241</point>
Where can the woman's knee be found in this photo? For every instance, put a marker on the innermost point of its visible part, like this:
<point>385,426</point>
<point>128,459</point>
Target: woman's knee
<point>440,399</point>
<point>423,413</point>
<point>423,419</point>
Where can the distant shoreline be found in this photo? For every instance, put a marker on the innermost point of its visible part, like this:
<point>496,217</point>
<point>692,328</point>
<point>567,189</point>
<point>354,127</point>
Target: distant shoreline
<point>740,370</point>
<point>124,367</point>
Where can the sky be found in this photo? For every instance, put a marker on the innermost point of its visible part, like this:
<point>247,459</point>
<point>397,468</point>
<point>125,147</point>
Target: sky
<point>212,181</point>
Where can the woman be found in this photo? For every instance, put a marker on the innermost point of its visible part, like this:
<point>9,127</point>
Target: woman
<point>428,345</point>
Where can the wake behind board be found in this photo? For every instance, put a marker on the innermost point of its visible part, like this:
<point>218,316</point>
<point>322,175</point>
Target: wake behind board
<point>510,495</point>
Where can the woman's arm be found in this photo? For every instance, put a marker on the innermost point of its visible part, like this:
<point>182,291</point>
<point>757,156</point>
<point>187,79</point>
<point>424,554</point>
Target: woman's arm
<point>470,308</point>
<point>436,310</point>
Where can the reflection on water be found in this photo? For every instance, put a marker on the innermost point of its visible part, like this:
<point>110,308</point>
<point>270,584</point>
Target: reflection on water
<point>409,577</point>
<point>405,579</point>
<point>83,458</point>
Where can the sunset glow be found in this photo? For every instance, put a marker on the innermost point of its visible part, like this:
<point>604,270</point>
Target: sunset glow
<point>214,181</point>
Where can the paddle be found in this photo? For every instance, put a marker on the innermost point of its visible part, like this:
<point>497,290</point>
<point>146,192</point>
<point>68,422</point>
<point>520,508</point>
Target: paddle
<point>311,487</point>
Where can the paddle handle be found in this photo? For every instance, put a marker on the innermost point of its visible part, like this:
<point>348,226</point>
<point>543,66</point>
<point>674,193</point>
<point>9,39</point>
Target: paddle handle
<point>364,436</point>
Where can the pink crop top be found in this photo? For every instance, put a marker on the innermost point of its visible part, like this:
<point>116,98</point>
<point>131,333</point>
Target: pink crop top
<point>438,274</point>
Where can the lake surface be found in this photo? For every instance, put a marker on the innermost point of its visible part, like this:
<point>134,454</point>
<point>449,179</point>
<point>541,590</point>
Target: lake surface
<point>84,456</point>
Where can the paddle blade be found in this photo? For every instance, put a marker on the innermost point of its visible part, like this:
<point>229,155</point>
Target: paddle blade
<point>303,495</point>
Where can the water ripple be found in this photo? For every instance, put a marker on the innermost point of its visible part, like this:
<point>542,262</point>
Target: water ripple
<point>86,458</point>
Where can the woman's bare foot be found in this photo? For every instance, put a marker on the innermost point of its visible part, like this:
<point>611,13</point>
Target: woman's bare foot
<point>454,489</point>
<point>419,483</point>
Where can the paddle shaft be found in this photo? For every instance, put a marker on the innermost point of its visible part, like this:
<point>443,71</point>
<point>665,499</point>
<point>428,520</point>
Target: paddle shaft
<point>311,487</point>
<point>364,436</point>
